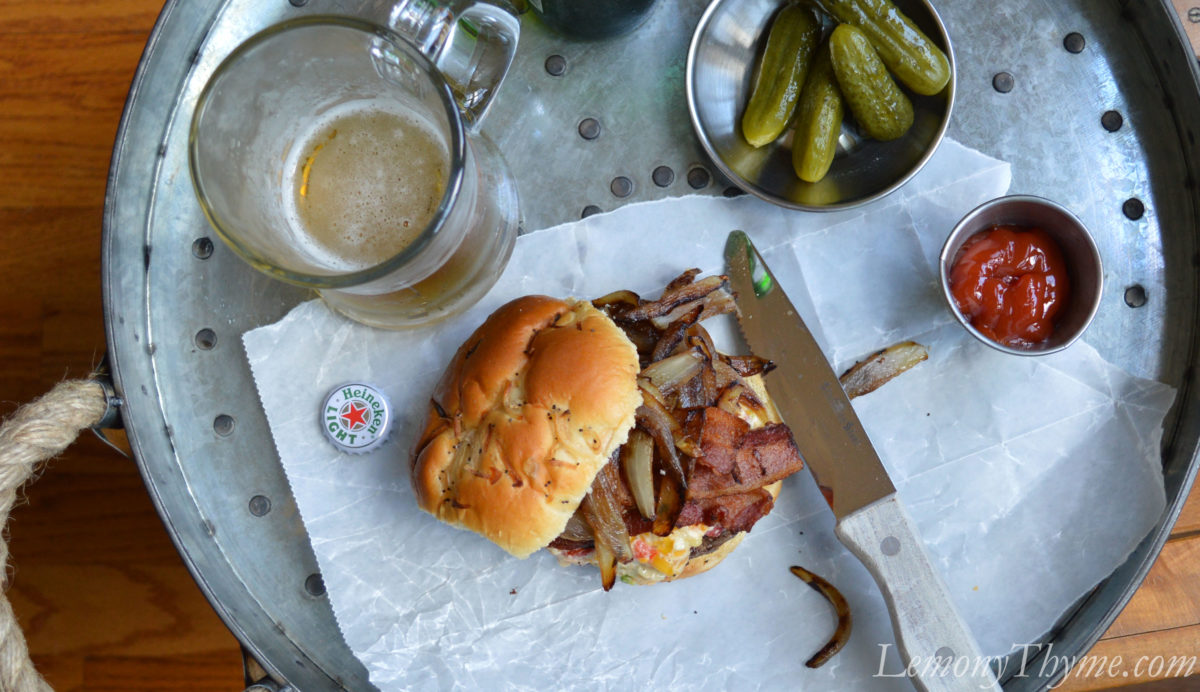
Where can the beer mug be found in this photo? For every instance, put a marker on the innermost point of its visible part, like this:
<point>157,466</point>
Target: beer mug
<point>334,153</point>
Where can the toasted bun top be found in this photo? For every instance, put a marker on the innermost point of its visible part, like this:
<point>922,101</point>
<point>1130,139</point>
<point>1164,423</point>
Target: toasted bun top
<point>528,411</point>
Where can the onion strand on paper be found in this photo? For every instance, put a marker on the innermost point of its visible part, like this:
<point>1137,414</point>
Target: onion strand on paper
<point>841,634</point>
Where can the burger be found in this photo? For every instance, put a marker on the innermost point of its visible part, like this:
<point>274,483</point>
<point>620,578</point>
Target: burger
<point>611,432</point>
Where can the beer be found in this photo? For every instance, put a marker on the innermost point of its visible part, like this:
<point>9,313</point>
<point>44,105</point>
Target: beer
<point>330,155</point>
<point>463,268</point>
<point>364,183</point>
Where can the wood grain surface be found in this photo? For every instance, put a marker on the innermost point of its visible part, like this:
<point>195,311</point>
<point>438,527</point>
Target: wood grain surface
<point>100,591</point>
<point>105,602</point>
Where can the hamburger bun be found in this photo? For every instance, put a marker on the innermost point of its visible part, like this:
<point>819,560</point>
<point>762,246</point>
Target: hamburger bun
<point>534,404</point>
<point>529,410</point>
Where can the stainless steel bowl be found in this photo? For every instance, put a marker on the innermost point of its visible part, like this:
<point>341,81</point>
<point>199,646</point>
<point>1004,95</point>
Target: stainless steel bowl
<point>724,49</point>
<point>1085,270</point>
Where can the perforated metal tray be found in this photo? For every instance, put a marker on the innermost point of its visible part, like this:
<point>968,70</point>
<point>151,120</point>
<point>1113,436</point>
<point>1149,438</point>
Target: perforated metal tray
<point>1096,104</point>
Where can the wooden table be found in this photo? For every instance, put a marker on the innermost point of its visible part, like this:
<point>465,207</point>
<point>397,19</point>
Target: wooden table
<point>100,591</point>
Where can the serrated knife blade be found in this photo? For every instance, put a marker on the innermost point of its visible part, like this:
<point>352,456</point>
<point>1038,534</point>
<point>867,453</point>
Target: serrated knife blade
<point>934,643</point>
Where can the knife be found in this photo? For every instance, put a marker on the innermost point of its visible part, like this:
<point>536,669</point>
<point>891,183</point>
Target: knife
<point>937,648</point>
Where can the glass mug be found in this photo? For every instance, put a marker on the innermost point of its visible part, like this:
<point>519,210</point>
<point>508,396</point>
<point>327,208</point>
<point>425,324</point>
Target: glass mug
<point>332,153</point>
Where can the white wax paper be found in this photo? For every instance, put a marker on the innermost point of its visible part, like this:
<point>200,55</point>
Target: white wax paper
<point>1031,479</point>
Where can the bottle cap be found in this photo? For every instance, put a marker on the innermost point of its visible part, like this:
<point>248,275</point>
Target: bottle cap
<point>356,417</point>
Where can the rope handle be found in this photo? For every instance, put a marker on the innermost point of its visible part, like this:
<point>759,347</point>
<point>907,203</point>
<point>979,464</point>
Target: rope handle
<point>36,432</point>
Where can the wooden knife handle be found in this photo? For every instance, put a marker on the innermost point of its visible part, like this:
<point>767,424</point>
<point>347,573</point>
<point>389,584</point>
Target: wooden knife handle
<point>1189,14</point>
<point>934,643</point>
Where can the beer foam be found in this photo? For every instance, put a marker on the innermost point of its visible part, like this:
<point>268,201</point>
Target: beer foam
<point>363,183</point>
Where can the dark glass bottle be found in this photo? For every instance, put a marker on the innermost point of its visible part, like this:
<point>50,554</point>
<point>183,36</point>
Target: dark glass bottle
<point>592,19</point>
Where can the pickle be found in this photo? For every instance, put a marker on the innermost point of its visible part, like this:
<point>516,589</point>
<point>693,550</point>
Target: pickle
<point>880,108</point>
<point>909,54</point>
<point>791,41</point>
<point>818,120</point>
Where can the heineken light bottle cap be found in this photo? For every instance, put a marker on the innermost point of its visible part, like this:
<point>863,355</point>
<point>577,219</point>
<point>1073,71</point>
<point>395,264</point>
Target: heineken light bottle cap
<point>356,417</point>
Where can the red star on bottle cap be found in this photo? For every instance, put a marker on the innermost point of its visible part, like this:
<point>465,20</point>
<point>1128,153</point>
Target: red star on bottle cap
<point>354,416</point>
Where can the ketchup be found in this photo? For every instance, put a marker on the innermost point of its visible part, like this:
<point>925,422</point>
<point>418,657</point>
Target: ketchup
<point>1011,282</point>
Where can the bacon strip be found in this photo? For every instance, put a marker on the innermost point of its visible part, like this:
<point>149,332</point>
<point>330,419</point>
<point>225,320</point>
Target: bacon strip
<point>735,459</point>
<point>729,513</point>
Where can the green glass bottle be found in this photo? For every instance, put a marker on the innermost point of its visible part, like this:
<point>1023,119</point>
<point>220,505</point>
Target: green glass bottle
<point>592,19</point>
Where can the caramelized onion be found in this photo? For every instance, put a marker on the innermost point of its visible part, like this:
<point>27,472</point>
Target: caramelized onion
<point>668,374</point>
<point>693,394</point>
<point>674,298</point>
<point>842,633</point>
<point>725,374</point>
<point>711,383</point>
<point>607,562</point>
<point>747,366</point>
<point>683,295</point>
<point>649,391</point>
<point>603,514</point>
<point>717,302</point>
<point>577,529</point>
<point>731,399</point>
<point>673,335</point>
<point>868,375</point>
<point>617,300</point>
<point>741,401</point>
<point>666,344</point>
<point>698,336</point>
<point>637,459</point>
<point>670,502</point>
<point>759,410</point>
<point>708,386</point>
<point>645,338</point>
<point>653,417</point>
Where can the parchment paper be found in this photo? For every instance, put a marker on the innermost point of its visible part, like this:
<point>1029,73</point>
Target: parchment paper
<point>1031,479</point>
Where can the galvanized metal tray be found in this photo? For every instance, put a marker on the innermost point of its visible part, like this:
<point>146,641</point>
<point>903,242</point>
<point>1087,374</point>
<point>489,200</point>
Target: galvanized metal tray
<point>1095,103</point>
